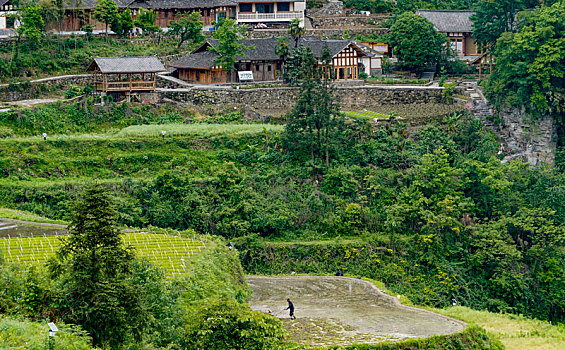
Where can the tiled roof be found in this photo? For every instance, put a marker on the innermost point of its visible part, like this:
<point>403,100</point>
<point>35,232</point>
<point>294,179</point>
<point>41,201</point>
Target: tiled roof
<point>201,60</point>
<point>449,21</point>
<point>127,64</point>
<point>180,4</point>
<point>263,50</point>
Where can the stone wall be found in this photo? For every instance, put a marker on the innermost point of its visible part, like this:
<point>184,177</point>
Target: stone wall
<point>165,81</point>
<point>319,33</point>
<point>357,21</point>
<point>40,87</point>
<point>281,100</point>
<point>533,140</point>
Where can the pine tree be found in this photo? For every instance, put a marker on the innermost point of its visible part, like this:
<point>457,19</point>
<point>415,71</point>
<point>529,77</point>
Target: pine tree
<point>95,270</point>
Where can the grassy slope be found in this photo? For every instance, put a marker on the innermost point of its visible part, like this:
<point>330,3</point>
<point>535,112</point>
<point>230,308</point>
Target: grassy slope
<point>515,332</point>
<point>17,334</point>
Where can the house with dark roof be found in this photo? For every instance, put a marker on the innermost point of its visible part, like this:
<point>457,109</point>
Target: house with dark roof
<point>348,60</point>
<point>125,74</point>
<point>270,11</point>
<point>7,9</point>
<point>170,10</point>
<point>458,28</point>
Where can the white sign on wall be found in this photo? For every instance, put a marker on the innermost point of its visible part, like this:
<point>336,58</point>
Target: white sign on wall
<point>245,76</point>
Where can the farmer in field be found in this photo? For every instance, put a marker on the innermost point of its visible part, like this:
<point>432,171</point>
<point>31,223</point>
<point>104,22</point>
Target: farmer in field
<point>291,308</point>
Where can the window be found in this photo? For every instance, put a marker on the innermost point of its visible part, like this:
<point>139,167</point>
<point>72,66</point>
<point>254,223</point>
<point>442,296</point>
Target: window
<point>245,8</point>
<point>457,45</point>
<point>268,68</point>
<point>265,8</point>
<point>283,6</point>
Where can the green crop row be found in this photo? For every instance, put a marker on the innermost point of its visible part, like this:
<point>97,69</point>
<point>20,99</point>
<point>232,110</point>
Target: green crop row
<point>363,114</point>
<point>169,252</point>
<point>199,130</point>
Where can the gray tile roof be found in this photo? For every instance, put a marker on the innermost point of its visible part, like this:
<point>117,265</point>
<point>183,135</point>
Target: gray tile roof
<point>264,50</point>
<point>240,1</point>
<point>201,60</point>
<point>449,21</point>
<point>180,4</point>
<point>127,64</point>
<point>91,4</point>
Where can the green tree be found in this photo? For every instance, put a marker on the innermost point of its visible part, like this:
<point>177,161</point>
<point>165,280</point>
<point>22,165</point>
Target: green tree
<point>312,129</point>
<point>492,18</point>
<point>282,51</point>
<point>222,324</point>
<point>146,21</point>
<point>416,43</point>
<point>94,267</point>
<point>530,64</point>
<point>123,23</point>
<point>295,31</point>
<point>188,28</point>
<point>106,12</point>
<point>229,45</point>
<point>32,24</point>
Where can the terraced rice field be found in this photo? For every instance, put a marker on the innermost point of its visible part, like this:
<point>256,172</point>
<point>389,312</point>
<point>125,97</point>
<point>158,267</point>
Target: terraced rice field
<point>363,114</point>
<point>168,252</point>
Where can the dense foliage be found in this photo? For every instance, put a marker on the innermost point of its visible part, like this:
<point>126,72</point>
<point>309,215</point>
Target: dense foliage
<point>530,64</point>
<point>70,55</point>
<point>94,267</point>
<point>123,301</point>
<point>457,222</point>
<point>417,44</point>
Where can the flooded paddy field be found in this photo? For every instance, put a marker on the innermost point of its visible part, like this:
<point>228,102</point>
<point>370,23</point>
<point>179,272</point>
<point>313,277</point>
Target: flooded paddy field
<point>343,311</point>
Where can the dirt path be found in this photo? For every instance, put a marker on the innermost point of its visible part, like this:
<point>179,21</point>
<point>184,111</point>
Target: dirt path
<point>343,311</point>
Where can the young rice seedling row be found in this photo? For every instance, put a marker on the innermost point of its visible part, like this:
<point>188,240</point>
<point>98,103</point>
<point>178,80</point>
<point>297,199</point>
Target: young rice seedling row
<point>170,253</point>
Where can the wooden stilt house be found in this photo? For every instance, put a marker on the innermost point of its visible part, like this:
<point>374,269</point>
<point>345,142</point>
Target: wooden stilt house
<point>125,74</point>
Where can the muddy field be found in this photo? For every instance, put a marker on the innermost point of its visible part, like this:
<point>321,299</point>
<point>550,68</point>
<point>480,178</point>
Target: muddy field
<point>343,311</point>
<point>16,228</point>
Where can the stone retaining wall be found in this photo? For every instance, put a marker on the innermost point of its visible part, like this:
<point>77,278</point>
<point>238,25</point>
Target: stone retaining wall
<point>319,33</point>
<point>283,99</point>
<point>38,88</point>
<point>347,21</point>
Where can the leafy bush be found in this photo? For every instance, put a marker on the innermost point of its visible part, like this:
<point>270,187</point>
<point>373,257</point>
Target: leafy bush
<point>223,324</point>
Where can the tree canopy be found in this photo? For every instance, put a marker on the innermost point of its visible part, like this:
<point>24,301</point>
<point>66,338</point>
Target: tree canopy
<point>416,42</point>
<point>95,267</point>
<point>32,26</point>
<point>106,11</point>
<point>229,45</point>
<point>188,28</point>
<point>530,64</point>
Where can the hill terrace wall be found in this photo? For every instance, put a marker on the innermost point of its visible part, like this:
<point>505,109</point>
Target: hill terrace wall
<point>319,33</point>
<point>283,99</point>
<point>40,87</point>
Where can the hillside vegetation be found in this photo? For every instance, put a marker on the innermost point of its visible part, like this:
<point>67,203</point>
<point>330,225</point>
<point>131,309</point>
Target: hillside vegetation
<point>431,212</point>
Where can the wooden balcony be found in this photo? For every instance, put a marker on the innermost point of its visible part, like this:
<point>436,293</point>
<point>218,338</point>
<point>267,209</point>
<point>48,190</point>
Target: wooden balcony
<point>266,17</point>
<point>125,85</point>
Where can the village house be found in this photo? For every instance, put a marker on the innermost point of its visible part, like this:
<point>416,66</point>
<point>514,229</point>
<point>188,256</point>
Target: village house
<point>78,13</point>
<point>126,75</point>
<point>348,60</point>
<point>268,12</point>
<point>7,10</point>
<point>458,28</point>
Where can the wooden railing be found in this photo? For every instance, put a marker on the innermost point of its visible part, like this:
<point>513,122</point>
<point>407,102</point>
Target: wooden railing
<point>277,16</point>
<point>125,85</point>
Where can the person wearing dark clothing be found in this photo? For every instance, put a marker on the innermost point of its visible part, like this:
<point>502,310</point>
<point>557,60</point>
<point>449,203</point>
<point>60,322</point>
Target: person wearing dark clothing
<point>291,308</point>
